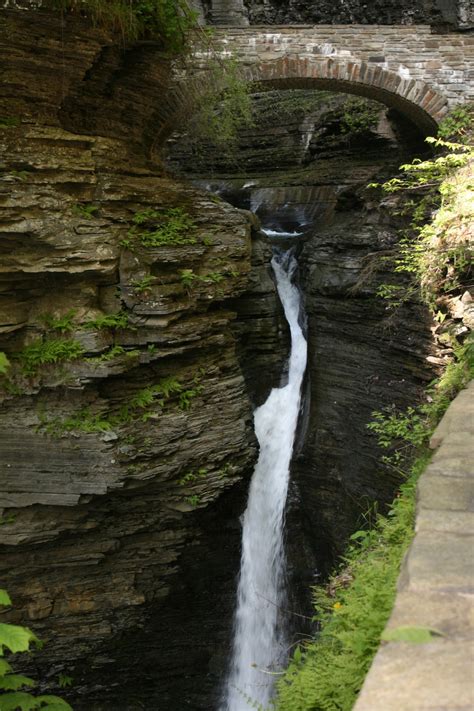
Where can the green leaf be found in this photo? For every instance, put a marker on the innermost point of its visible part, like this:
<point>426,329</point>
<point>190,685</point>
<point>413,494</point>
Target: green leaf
<point>19,700</point>
<point>4,667</point>
<point>15,638</point>
<point>413,634</point>
<point>5,598</point>
<point>13,682</point>
<point>53,703</point>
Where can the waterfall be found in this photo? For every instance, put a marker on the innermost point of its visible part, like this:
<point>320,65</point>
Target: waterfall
<point>259,641</point>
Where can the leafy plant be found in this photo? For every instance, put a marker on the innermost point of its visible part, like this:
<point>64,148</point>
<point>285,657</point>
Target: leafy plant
<point>114,352</point>
<point>9,121</point>
<point>219,107</point>
<point>82,421</point>
<point>144,284</point>
<point>436,254</point>
<point>45,352</point>
<point>192,476</point>
<point>187,277</point>
<point>158,228</point>
<point>456,124</point>
<point>20,175</point>
<point>114,322</point>
<point>63,324</point>
<point>193,500</point>
<point>167,20</point>
<point>359,116</point>
<point>64,681</point>
<point>4,363</point>
<point>13,697</point>
<point>87,211</point>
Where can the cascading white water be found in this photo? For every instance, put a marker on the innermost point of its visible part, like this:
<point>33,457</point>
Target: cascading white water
<point>259,642</point>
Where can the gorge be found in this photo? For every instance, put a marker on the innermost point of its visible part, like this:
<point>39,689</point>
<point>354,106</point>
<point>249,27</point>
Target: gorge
<point>126,459</point>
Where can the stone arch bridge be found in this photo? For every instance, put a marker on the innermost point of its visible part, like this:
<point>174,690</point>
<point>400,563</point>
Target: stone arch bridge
<point>407,67</point>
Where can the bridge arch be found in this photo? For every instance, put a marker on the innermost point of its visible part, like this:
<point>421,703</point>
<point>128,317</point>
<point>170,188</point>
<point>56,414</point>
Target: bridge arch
<point>414,98</point>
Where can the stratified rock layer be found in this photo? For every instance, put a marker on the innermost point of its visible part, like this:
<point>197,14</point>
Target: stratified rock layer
<point>304,167</point>
<point>119,467</point>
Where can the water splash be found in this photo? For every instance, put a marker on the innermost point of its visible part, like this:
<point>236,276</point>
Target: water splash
<point>259,642</point>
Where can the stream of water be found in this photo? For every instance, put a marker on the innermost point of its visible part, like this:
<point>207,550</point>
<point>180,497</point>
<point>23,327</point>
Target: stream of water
<point>259,641</point>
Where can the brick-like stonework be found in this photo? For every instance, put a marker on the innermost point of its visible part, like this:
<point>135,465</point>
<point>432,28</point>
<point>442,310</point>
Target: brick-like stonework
<point>436,586</point>
<point>408,67</point>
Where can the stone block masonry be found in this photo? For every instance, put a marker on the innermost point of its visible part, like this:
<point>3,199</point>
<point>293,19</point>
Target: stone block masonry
<point>436,586</point>
<point>408,67</point>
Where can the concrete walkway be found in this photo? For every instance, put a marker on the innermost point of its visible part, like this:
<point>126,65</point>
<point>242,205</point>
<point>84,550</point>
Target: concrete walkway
<point>436,585</point>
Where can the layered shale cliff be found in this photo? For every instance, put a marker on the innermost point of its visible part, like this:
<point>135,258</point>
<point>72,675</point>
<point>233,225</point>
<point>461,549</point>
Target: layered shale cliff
<point>304,168</point>
<point>126,425</point>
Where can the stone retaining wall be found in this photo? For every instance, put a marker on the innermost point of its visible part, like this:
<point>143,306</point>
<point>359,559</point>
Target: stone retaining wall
<point>436,585</point>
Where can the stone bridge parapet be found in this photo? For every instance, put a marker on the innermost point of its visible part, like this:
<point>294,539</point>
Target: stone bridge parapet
<point>408,67</point>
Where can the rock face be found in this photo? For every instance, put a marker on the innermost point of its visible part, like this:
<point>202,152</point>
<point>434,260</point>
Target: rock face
<point>379,12</point>
<point>305,165</point>
<point>126,421</point>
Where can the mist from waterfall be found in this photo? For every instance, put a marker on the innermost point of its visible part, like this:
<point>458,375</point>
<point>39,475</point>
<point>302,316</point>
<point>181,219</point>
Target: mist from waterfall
<point>259,641</point>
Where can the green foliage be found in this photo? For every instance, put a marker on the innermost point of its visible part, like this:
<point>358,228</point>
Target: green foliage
<point>436,251</point>
<point>87,211</point>
<point>63,324</point>
<point>359,116</point>
<point>64,681</point>
<point>158,228</point>
<point>142,406</point>
<point>225,471</point>
<point>45,352</point>
<point>193,500</point>
<point>457,124</point>
<point>167,20</point>
<point>82,421</point>
<point>192,476</point>
<point>4,363</point>
<point>403,433</point>
<point>189,278</point>
<point>114,322</point>
<point>399,431</point>
<point>144,284</point>
<point>5,520</point>
<point>17,639</point>
<point>412,429</point>
<point>112,353</point>
<point>19,175</point>
<point>9,121</point>
<point>221,107</point>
